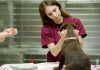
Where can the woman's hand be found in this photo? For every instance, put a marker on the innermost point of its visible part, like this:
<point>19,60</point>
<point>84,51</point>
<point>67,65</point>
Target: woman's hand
<point>7,33</point>
<point>76,32</point>
<point>77,35</point>
<point>63,34</point>
<point>10,32</point>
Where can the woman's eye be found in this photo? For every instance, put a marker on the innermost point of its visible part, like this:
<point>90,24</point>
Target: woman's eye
<point>54,10</point>
<point>50,14</point>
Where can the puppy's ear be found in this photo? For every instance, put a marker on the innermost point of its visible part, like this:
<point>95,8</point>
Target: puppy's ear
<point>75,26</point>
<point>64,26</point>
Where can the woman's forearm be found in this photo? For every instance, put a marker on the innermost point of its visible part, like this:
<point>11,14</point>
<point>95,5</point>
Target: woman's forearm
<point>57,48</point>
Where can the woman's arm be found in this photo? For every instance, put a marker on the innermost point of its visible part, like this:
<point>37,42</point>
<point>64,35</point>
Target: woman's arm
<point>55,49</point>
<point>79,37</point>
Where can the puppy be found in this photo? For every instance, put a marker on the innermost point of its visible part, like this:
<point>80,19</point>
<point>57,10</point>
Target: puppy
<point>72,55</point>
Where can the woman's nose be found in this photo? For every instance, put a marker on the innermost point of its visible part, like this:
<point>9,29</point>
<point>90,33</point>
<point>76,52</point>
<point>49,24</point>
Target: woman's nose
<point>55,15</point>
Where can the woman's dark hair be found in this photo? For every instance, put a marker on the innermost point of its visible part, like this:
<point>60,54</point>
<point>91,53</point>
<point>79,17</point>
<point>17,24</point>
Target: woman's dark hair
<point>44,17</point>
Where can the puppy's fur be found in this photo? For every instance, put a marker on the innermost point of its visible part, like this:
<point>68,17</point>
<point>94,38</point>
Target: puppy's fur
<point>72,55</point>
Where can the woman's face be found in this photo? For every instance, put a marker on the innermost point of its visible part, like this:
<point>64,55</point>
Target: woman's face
<point>53,13</point>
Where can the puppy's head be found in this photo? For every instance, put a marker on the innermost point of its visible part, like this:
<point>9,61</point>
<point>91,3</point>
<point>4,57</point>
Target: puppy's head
<point>69,27</point>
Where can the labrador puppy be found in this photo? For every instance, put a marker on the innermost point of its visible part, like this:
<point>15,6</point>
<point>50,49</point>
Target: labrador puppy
<point>72,55</point>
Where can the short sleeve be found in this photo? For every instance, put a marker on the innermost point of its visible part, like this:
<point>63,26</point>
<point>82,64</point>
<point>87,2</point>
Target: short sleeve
<point>81,28</point>
<point>46,37</point>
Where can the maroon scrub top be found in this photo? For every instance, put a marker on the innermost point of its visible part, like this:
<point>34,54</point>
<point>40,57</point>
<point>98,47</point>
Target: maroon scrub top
<point>50,34</point>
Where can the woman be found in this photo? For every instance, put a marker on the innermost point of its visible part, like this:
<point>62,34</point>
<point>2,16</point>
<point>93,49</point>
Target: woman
<point>53,16</point>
